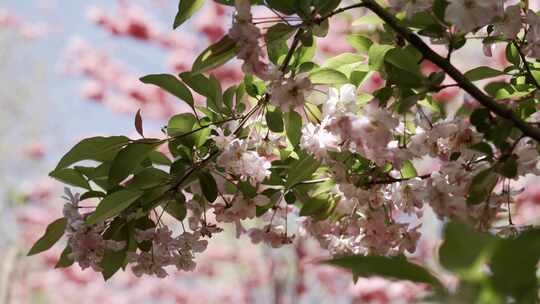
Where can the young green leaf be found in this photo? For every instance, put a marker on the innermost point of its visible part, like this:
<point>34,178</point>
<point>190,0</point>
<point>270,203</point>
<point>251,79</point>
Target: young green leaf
<point>359,42</point>
<point>172,85</point>
<point>301,170</point>
<point>208,186</point>
<point>113,204</point>
<point>53,233</point>
<point>186,8</point>
<point>390,267</point>
<point>71,177</point>
<point>377,53</point>
<point>274,120</point>
<point>94,148</point>
<point>293,127</point>
<point>481,186</point>
<point>215,55</point>
<point>181,124</point>
<point>482,72</point>
<point>328,76</point>
<point>464,249</point>
<point>64,260</point>
<point>407,170</point>
<point>128,159</point>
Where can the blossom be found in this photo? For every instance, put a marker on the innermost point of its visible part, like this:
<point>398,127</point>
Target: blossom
<point>86,241</point>
<point>319,141</point>
<point>246,164</point>
<point>533,35</point>
<point>468,15</point>
<point>341,102</point>
<point>412,7</point>
<point>166,251</point>
<point>274,236</point>
<point>290,93</point>
<point>511,22</point>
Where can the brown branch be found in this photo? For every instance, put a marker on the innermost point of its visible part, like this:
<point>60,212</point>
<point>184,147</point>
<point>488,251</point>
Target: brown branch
<point>526,64</point>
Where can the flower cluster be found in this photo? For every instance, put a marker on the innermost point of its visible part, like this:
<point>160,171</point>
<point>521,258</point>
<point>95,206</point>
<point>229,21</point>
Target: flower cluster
<point>86,241</point>
<point>165,251</point>
<point>359,166</point>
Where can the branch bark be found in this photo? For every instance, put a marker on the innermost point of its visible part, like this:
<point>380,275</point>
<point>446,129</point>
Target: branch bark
<point>449,69</point>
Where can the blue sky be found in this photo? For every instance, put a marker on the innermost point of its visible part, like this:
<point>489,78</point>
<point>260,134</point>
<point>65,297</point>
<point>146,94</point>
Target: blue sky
<point>60,116</point>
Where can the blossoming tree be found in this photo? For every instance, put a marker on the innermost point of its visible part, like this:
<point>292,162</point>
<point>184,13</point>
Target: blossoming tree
<point>302,136</point>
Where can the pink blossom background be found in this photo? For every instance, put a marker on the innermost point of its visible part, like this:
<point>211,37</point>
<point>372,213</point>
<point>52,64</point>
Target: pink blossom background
<point>70,69</point>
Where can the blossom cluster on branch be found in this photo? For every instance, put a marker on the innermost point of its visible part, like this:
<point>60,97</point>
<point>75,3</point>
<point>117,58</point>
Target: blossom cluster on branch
<point>300,138</point>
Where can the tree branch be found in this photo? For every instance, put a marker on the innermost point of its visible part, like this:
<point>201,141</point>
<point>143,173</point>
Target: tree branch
<point>526,64</point>
<point>447,67</point>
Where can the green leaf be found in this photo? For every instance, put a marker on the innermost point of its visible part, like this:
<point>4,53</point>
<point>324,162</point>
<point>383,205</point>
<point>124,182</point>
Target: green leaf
<point>406,59</point>
<point>92,194</point>
<point>149,178</point>
<point>315,206</point>
<point>328,76</point>
<point>274,120</point>
<point>215,55</point>
<point>483,147</point>
<point>514,266</point>
<point>276,41</point>
<point>481,186</point>
<point>128,159</point>
<point>52,234</point>
<point>208,186</point>
<point>512,54</point>
<point>64,260</point>
<point>359,42</point>
<point>159,158</point>
<point>370,19</point>
<point>94,148</point>
<point>407,170</point>
<point>313,113</point>
<point>279,31</point>
<point>377,53</point>
<point>301,170</point>
<point>176,208</point>
<point>390,267</point>
<point>286,7</point>
<point>172,85</point>
<point>181,124</point>
<point>201,84</point>
<point>293,127</point>
<point>482,72</point>
<point>464,249</point>
<point>71,177</point>
<point>113,204</point>
<point>508,168</point>
<point>111,262</point>
<point>186,8</point>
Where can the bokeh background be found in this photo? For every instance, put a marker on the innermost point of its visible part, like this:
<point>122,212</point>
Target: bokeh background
<point>70,69</point>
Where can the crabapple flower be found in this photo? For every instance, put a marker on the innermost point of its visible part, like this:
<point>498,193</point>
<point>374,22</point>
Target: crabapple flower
<point>341,102</point>
<point>246,164</point>
<point>247,36</point>
<point>511,22</point>
<point>86,241</point>
<point>533,35</point>
<point>166,251</point>
<point>318,140</point>
<point>412,7</point>
<point>468,15</point>
<point>290,93</point>
<point>274,236</point>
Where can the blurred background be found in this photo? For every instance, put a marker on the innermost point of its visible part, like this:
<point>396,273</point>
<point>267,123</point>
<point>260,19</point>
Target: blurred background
<point>69,70</point>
